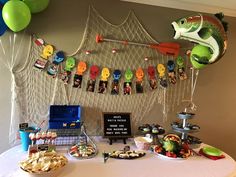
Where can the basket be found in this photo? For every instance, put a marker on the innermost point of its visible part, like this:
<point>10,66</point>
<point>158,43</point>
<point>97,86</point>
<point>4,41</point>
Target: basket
<point>143,143</point>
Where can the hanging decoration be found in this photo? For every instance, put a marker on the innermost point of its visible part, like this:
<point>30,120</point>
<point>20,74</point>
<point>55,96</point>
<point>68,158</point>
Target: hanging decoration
<point>66,73</point>
<point>128,82</point>
<point>171,71</point>
<point>78,77</point>
<point>36,6</point>
<point>16,15</point>
<point>163,48</point>
<point>208,32</point>
<point>54,66</point>
<point>139,80</point>
<point>3,26</point>
<point>103,82</point>
<point>33,91</point>
<point>94,71</point>
<point>181,70</point>
<point>152,77</point>
<point>162,78</point>
<point>47,51</point>
<point>115,83</point>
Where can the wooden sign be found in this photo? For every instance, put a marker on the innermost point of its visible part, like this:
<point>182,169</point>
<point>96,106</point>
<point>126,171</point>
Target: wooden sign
<point>116,125</point>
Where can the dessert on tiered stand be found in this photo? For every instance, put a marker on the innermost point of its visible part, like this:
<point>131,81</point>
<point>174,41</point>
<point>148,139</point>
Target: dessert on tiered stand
<point>185,128</point>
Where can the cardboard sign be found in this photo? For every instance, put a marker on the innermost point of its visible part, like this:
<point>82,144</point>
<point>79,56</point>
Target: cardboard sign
<point>116,125</point>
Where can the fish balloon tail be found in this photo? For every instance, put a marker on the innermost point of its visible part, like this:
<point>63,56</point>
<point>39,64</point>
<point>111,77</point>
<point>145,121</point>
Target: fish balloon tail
<point>221,16</point>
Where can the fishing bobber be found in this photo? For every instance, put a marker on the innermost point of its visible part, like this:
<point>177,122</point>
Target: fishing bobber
<point>87,52</point>
<point>39,41</point>
<point>146,58</point>
<point>114,51</point>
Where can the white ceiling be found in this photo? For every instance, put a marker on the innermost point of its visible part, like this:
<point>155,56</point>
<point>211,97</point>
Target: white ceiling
<point>228,7</point>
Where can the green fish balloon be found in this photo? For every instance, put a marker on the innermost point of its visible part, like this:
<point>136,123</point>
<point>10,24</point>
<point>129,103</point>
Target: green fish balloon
<point>208,32</point>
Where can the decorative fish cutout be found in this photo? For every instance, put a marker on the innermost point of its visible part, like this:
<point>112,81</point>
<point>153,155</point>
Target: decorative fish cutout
<point>115,83</point>
<point>127,88</point>
<point>139,80</point>
<point>152,78</point>
<point>58,58</point>
<point>47,51</point>
<point>162,79</point>
<point>93,73</point>
<point>204,30</point>
<point>70,63</point>
<point>102,88</point>
<point>78,77</point>
<point>171,71</point>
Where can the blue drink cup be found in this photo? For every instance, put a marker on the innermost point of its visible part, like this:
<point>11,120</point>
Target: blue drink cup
<point>24,136</point>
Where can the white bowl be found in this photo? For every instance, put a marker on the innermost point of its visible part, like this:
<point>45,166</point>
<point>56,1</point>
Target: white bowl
<point>143,143</point>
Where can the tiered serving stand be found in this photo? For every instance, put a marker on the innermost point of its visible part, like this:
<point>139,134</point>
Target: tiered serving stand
<point>185,128</point>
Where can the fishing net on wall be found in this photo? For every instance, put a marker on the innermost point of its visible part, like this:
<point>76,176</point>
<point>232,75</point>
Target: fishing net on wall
<point>33,91</point>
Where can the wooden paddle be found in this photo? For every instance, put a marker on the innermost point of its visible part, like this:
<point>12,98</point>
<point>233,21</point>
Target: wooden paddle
<point>166,48</point>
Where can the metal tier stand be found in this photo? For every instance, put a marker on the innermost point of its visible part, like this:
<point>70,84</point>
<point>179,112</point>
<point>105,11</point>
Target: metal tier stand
<point>184,127</point>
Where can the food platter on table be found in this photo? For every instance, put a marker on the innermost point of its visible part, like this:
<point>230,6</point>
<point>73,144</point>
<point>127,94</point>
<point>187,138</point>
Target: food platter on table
<point>43,162</point>
<point>127,155</point>
<point>171,147</point>
<point>162,156</point>
<point>80,151</point>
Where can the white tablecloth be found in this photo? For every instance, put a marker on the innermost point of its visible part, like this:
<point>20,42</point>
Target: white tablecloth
<point>148,166</point>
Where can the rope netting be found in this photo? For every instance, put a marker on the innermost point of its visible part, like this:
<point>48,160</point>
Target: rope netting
<point>34,91</point>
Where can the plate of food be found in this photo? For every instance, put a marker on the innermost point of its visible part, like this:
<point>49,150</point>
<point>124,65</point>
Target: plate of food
<point>43,162</point>
<point>80,151</point>
<point>127,155</point>
<point>173,148</point>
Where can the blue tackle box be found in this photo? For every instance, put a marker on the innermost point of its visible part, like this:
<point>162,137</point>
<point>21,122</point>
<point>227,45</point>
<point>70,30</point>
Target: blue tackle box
<point>64,116</point>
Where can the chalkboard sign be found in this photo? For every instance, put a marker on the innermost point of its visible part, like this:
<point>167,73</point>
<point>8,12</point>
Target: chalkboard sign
<point>116,125</point>
<point>23,126</point>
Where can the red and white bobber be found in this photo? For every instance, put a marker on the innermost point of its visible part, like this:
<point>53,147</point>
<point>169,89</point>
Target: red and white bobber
<point>87,52</point>
<point>114,51</point>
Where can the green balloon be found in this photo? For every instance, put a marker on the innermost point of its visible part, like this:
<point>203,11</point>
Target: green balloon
<point>202,53</point>
<point>36,6</point>
<point>16,15</point>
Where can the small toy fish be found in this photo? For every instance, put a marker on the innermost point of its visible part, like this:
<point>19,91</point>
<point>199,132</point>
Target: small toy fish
<point>204,30</point>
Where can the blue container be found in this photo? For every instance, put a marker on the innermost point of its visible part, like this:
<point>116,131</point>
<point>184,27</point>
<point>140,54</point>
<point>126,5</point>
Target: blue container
<point>64,117</point>
<point>24,136</point>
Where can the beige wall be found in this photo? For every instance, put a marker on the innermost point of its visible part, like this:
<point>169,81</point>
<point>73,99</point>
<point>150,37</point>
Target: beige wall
<point>62,24</point>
